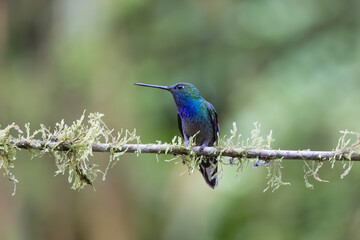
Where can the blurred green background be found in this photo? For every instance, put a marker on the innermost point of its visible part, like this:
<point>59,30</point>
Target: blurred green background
<point>292,65</point>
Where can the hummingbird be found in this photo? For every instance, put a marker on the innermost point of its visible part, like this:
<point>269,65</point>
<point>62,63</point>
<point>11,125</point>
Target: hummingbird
<point>195,116</point>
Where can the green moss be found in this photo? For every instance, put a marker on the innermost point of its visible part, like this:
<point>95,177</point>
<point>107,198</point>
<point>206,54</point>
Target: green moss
<point>71,146</point>
<point>274,175</point>
<point>75,142</point>
<point>79,137</point>
<point>311,168</point>
<point>255,142</point>
<point>8,153</point>
<point>348,144</point>
<point>123,137</point>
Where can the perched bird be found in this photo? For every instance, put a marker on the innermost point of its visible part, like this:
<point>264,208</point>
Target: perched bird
<point>196,115</point>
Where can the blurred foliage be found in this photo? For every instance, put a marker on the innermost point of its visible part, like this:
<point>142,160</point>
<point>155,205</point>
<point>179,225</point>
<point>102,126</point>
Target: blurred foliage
<point>291,65</point>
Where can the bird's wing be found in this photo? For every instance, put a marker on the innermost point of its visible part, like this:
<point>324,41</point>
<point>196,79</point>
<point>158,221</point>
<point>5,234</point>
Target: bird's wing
<point>180,127</point>
<point>214,120</point>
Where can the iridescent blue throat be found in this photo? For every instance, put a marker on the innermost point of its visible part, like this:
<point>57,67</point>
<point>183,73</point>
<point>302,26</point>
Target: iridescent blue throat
<point>189,108</point>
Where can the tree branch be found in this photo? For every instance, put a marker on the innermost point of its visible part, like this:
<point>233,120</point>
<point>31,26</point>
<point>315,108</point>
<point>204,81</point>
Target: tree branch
<point>263,154</point>
<point>73,145</point>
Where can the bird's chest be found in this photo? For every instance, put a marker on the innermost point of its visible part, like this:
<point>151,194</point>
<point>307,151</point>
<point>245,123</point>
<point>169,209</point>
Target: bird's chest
<point>196,121</point>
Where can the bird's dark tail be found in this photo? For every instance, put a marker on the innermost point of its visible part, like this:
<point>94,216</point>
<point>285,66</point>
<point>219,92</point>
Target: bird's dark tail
<point>208,168</point>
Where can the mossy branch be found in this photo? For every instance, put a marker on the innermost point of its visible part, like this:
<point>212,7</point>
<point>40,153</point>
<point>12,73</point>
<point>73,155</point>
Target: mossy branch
<point>260,154</point>
<point>73,145</point>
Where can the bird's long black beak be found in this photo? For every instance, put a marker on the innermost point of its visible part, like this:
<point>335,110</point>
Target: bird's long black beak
<point>153,86</point>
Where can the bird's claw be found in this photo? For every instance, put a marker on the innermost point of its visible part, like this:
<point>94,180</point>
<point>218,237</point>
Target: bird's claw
<point>260,163</point>
<point>231,161</point>
<point>202,148</point>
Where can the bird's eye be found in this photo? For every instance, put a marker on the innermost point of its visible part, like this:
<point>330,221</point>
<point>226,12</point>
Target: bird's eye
<point>180,86</point>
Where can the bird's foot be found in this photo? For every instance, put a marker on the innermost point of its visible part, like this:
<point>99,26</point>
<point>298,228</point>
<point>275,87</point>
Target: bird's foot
<point>261,163</point>
<point>231,161</point>
<point>202,148</point>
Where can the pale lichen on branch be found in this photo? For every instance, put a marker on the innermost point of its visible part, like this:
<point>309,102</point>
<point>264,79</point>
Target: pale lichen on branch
<point>8,153</point>
<point>73,145</point>
<point>257,143</point>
